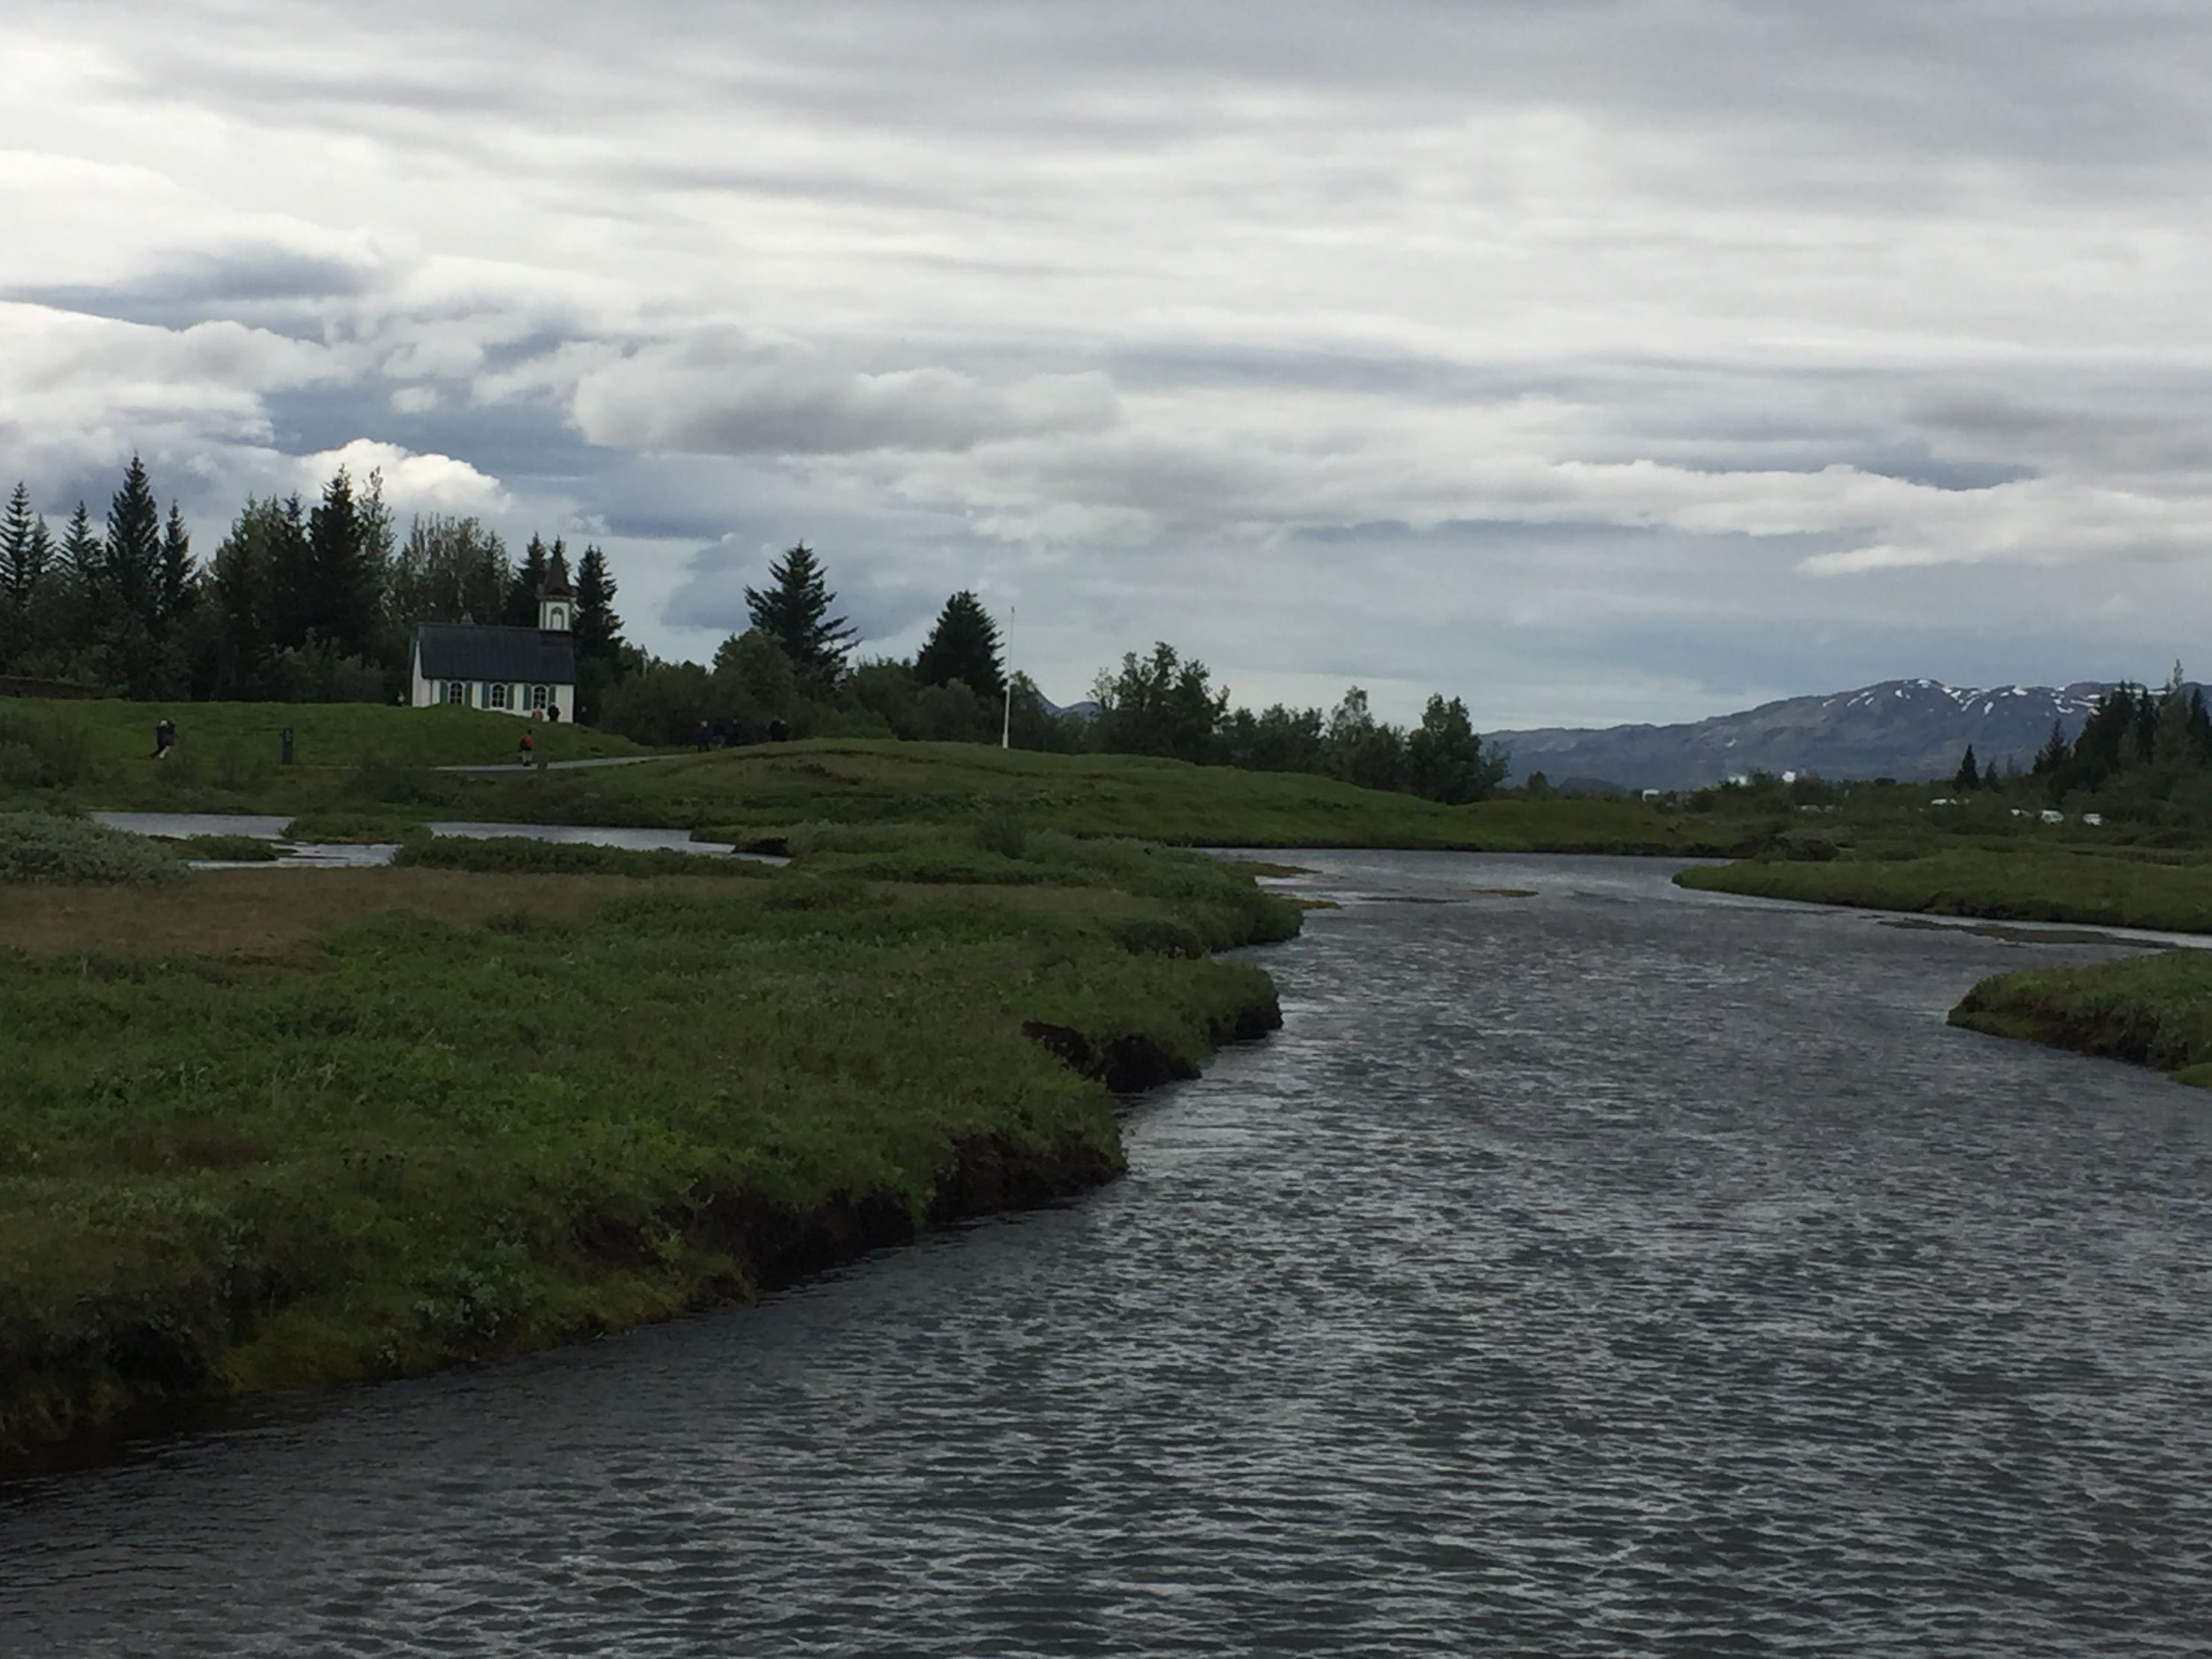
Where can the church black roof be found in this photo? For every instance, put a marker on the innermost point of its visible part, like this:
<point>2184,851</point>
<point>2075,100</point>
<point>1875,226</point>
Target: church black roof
<point>463,651</point>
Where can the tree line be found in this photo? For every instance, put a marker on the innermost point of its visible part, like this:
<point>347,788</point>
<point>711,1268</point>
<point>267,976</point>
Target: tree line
<point>791,670</point>
<point>307,602</point>
<point>299,603</point>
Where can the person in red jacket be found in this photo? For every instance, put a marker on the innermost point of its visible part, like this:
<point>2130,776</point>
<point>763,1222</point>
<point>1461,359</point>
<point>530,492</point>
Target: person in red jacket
<point>529,749</point>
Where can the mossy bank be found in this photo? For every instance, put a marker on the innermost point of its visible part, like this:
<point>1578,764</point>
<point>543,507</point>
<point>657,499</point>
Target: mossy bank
<point>2152,1010</point>
<point>2121,887</point>
<point>273,1128</point>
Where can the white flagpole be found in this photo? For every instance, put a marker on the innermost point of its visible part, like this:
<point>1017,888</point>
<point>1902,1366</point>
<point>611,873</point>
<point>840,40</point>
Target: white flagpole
<point>1006,718</point>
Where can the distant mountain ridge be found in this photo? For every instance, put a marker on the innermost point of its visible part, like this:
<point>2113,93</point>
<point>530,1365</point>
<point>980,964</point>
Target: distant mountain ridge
<point>1900,728</point>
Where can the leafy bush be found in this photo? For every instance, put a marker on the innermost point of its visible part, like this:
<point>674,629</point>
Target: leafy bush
<point>39,750</point>
<point>391,783</point>
<point>40,847</point>
<point>1003,830</point>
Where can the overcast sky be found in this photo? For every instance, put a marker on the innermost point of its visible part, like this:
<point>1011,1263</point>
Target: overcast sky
<point>1592,360</point>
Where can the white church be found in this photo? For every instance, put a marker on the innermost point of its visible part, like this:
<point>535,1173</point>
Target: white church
<point>519,671</point>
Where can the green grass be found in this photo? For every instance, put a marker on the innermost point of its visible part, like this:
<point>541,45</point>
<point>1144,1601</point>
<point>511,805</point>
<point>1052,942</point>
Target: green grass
<point>518,855</point>
<point>2153,1011</point>
<point>274,1128</point>
<point>2025,883</point>
<point>100,752</point>
<point>358,762</point>
<point>765,794</point>
<point>340,826</point>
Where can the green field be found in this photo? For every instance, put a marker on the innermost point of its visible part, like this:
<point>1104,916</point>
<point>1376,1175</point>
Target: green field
<point>357,764</point>
<point>765,794</point>
<point>2153,1011</point>
<point>99,753</point>
<point>2112,888</point>
<point>266,1128</point>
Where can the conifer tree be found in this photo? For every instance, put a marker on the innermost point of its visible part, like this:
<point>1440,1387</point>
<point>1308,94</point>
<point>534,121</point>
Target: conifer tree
<point>2055,752</point>
<point>528,586</point>
<point>76,612</point>
<point>1969,775</point>
<point>794,611</point>
<point>963,646</point>
<point>22,572</point>
<point>134,558</point>
<point>598,633</point>
<point>175,591</point>
<point>342,603</point>
<point>287,569</point>
<point>598,629</point>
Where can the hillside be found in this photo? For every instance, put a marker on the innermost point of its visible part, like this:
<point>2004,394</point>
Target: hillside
<point>1900,728</point>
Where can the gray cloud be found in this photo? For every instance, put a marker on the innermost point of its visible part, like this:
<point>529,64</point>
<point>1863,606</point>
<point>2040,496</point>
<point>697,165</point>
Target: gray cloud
<point>1591,359</point>
<point>724,393</point>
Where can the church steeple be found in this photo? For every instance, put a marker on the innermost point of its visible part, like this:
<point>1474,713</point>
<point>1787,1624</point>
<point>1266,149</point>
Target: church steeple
<point>557,603</point>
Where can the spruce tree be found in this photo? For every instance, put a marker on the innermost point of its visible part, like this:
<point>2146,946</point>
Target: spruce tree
<point>528,586</point>
<point>290,604</point>
<point>2054,753</point>
<point>175,594</point>
<point>963,646</point>
<point>342,610</point>
<point>598,634</point>
<point>598,629</point>
<point>21,558</point>
<point>134,556</point>
<point>1969,775</point>
<point>82,579</point>
<point>794,611</point>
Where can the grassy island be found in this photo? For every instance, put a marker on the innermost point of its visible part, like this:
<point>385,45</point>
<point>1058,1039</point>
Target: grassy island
<point>275,1127</point>
<point>2115,887</point>
<point>2153,1011</point>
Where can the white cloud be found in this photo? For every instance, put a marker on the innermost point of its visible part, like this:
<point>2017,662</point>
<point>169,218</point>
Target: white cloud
<point>418,483</point>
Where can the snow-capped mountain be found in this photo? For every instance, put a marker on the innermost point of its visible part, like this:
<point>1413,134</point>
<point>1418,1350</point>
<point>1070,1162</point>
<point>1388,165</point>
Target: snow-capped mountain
<point>1901,729</point>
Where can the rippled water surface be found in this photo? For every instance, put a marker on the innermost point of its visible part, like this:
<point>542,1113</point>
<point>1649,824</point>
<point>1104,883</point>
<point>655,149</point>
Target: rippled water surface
<point>1614,1271</point>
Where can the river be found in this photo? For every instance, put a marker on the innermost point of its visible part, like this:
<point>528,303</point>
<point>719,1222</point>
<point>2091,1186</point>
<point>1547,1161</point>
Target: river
<point>1612,1270</point>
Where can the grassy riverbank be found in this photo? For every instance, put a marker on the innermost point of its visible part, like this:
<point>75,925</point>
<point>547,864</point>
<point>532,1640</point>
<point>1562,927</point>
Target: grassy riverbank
<point>2112,888</point>
<point>2153,1011</point>
<point>765,794</point>
<point>268,1128</point>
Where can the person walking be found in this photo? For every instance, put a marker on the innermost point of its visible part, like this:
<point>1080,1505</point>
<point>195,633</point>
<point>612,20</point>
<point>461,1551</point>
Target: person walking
<point>165,737</point>
<point>529,749</point>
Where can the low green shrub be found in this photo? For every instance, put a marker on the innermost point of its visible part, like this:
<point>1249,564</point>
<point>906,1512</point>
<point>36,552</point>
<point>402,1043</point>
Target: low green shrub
<point>355,829</point>
<point>44,848</point>
<point>39,750</point>
<point>389,783</point>
<point>236,850</point>
<point>520,854</point>
<point>1002,829</point>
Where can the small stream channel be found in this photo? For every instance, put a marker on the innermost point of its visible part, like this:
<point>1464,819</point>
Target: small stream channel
<point>341,855</point>
<point>1611,1270</point>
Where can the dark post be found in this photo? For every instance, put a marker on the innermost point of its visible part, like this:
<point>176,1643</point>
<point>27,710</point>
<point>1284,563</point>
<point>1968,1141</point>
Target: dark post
<point>287,745</point>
